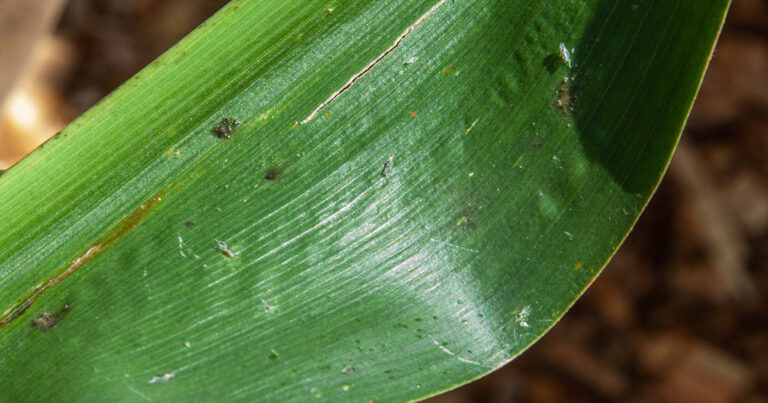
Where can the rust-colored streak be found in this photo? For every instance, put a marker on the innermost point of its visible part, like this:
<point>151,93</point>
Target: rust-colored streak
<point>114,234</point>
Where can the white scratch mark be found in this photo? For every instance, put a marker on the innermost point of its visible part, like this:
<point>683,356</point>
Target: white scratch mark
<point>181,246</point>
<point>370,65</point>
<point>472,126</point>
<point>208,319</point>
<point>411,60</point>
<point>464,248</point>
<point>267,304</point>
<point>162,378</point>
<point>186,249</point>
<point>452,354</point>
<point>132,389</point>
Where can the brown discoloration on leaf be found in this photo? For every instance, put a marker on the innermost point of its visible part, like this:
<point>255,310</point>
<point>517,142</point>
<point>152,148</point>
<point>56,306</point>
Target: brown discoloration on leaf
<point>564,100</point>
<point>113,235</point>
<point>46,320</point>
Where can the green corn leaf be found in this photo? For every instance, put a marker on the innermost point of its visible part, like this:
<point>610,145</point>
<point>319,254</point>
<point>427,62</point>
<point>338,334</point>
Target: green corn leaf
<point>340,199</point>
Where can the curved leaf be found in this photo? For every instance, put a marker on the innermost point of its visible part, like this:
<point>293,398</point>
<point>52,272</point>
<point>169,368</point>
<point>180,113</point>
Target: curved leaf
<point>340,199</point>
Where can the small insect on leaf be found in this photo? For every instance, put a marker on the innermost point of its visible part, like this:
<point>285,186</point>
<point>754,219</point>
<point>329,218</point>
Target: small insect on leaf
<point>226,250</point>
<point>225,128</point>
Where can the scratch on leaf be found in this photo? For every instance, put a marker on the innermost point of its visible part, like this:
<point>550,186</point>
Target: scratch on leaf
<point>452,354</point>
<point>113,235</point>
<point>375,61</point>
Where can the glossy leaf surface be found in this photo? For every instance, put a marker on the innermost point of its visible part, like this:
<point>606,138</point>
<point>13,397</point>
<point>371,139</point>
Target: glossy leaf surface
<point>345,199</point>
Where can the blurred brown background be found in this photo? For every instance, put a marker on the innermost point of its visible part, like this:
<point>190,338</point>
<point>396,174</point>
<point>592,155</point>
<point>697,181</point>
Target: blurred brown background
<point>679,315</point>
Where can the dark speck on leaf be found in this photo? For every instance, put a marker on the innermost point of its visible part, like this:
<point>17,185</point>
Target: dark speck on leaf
<point>271,174</point>
<point>225,128</point>
<point>189,224</point>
